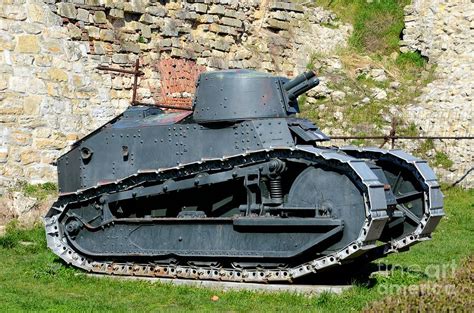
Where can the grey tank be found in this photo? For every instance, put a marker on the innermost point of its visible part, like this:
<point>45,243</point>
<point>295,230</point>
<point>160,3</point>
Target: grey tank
<point>238,189</point>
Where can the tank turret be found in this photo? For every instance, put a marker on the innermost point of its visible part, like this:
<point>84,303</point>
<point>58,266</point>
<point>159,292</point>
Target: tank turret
<point>235,95</point>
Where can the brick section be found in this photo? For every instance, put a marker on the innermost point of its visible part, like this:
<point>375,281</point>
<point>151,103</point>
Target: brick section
<point>178,81</point>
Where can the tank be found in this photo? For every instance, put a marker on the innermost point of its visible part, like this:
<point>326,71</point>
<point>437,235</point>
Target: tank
<point>238,189</point>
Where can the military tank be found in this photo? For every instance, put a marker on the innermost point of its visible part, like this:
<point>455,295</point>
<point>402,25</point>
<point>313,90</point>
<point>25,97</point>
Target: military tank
<point>237,189</point>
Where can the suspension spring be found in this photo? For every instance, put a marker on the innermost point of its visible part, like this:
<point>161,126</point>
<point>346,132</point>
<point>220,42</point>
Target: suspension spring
<point>276,191</point>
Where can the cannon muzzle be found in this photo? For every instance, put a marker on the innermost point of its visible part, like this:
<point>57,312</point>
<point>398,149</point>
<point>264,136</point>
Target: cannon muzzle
<point>300,84</point>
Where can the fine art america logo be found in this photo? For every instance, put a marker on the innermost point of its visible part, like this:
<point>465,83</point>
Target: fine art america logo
<point>433,272</point>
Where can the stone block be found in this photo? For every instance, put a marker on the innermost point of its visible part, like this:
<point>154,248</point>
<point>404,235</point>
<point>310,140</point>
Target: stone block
<point>252,63</point>
<point>31,104</point>
<point>21,137</point>
<point>216,62</point>
<point>49,143</point>
<point>165,43</point>
<point>27,44</point>
<point>36,85</point>
<point>207,18</point>
<point>11,110</point>
<point>72,136</point>
<point>170,29</point>
<point>7,42</point>
<point>181,14</point>
<point>67,10</point>
<point>159,11</point>
<point>192,16</point>
<point>120,58</point>
<point>235,14</point>
<point>21,205</point>
<point>4,81</point>
<point>242,54</point>
<point>98,48</point>
<point>13,12</point>
<point>217,9</point>
<point>37,173</point>
<point>222,29</point>
<point>221,45</point>
<point>181,53</point>
<point>128,46</point>
<point>116,13</point>
<point>49,157</point>
<point>3,154</point>
<point>231,22</point>
<point>287,6</point>
<point>74,31</point>
<point>146,31</point>
<point>106,35</point>
<point>35,13</point>
<point>42,132</point>
<point>57,74</point>
<point>236,64</point>
<point>83,15</point>
<point>132,26</point>
<point>54,46</point>
<point>41,14</point>
<point>276,24</point>
<point>281,15</point>
<point>29,156</point>
<point>52,89</point>
<point>199,7</point>
<point>146,19</point>
<point>196,47</point>
<point>117,83</point>
<point>99,17</point>
<point>94,32</point>
<point>77,82</point>
<point>378,75</point>
<point>17,84</point>
<point>136,6</point>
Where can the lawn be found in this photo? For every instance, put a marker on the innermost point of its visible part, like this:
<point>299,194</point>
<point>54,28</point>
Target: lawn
<point>32,278</point>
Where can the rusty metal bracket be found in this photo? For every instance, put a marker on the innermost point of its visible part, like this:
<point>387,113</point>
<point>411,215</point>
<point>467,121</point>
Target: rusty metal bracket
<point>136,73</point>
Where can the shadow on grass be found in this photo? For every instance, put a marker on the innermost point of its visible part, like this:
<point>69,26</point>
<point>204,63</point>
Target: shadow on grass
<point>358,273</point>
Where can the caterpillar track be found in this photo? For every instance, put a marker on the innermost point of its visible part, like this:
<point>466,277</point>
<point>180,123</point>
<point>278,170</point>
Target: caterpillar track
<point>237,190</point>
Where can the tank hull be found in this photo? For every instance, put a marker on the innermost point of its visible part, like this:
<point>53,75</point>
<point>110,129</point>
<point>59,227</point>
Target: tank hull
<point>236,190</point>
<point>217,213</point>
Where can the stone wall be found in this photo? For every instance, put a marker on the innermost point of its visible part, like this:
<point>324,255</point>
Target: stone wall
<point>51,92</point>
<point>443,31</point>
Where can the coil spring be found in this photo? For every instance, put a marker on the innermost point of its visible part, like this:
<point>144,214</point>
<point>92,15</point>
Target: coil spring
<point>276,191</point>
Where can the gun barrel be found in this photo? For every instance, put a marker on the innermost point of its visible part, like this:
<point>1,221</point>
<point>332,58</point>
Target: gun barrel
<point>299,79</point>
<point>300,84</point>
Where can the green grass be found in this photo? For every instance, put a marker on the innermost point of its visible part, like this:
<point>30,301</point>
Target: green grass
<point>32,278</point>
<point>377,25</point>
<point>441,159</point>
<point>408,130</point>
<point>38,191</point>
<point>409,59</point>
